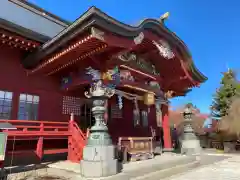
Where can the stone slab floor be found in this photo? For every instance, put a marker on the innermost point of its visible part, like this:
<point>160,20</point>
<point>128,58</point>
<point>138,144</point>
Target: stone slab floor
<point>227,169</point>
<point>211,167</point>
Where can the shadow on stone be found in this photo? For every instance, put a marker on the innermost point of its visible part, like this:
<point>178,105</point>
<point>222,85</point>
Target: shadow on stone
<point>119,167</point>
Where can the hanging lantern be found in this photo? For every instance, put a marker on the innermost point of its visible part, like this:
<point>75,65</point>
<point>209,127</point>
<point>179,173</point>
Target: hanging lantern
<point>149,99</point>
<point>120,102</point>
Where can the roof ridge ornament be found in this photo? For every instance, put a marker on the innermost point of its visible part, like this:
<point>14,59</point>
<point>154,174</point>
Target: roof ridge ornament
<point>164,49</point>
<point>164,17</point>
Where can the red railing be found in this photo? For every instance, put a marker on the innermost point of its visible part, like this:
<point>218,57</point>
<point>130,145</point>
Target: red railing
<point>76,142</point>
<point>41,131</point>
<point>37,128</point>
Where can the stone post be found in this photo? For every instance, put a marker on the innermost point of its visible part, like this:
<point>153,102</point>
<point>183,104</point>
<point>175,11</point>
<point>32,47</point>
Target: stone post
<point>190,142</point>
<point>72,117</point>
<point>99,155</point>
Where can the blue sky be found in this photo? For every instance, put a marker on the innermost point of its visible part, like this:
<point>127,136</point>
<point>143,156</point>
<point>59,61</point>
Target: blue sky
<point>209,28</point>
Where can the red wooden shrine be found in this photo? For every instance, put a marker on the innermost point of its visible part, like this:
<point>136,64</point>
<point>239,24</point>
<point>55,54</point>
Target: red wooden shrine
<point>43,82</point>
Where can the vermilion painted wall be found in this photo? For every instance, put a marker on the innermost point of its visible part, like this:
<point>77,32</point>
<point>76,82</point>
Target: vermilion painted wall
<point>14,78</point>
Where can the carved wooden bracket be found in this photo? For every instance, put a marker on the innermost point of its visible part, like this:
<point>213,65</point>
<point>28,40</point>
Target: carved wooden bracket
<point>98,34</point>
<point>138,40</point>
<point>169,94</point>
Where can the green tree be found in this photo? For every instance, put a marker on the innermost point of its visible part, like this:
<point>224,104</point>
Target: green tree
<point>229,88</point>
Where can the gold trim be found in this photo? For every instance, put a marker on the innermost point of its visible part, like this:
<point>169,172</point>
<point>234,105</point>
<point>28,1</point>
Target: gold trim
<point>137,88</point>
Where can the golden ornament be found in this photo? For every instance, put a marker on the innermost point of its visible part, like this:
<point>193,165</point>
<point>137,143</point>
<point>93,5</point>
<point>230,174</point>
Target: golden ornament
<point>149,99</point>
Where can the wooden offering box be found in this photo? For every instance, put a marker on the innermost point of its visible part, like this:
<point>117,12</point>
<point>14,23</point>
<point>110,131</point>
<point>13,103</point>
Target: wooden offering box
<point>138,148</point>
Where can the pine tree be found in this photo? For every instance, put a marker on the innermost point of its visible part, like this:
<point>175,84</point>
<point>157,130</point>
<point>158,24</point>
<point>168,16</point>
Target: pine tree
<point>224,95</point>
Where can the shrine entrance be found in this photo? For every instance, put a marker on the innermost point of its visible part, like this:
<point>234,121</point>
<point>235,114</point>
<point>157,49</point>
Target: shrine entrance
<point>86,119</point>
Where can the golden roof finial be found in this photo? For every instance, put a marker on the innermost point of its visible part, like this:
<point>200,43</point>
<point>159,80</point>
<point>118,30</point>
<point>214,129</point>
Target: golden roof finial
<point>164,16</point>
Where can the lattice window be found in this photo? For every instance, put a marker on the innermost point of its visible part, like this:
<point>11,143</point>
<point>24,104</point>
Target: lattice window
<point>71,105</point>
<point>28,107</point>
<point>144,118</point>
<point>5,104</point>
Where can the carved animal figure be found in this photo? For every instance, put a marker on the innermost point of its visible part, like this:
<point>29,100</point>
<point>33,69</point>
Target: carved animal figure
<point>125,75</point>
<point>154,84</point>
<point>96,75</point>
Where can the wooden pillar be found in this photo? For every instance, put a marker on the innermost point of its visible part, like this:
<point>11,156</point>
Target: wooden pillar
<point>39,149</point>
<point>72,117</point>
<point>158,114</point>
<point>15,104</point>
<point>166,129</point>
<point>70,156</point>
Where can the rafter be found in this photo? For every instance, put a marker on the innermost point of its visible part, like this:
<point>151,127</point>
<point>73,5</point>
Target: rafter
<point>16,41</point>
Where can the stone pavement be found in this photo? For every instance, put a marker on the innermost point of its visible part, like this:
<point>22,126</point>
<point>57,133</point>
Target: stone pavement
<point>228,169</point>
<point>134,171</point>
<point>158,160</point>
<point>205,167</point>
<point>137,170</point>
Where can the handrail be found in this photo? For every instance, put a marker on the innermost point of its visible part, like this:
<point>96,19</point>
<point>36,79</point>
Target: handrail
<point>48,127</point>
<point>77,141</point>
<point>74,124</point>
<point>43,130</point>
<point>34,121</point>
<point>38,134</point>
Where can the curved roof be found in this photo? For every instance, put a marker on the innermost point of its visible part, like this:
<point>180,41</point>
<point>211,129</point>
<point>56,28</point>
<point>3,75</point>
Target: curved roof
<point>95,17</point>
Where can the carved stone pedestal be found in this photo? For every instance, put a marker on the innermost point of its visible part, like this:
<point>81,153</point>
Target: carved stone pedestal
<point>99,155</point>
<point>99,161</point>
<point>191,147</point>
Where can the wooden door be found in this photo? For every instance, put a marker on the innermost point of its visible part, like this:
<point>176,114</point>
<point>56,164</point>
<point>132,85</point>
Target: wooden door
<point>86,118</point>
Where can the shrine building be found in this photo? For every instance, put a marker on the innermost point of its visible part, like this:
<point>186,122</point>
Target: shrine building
<point>44,62</point>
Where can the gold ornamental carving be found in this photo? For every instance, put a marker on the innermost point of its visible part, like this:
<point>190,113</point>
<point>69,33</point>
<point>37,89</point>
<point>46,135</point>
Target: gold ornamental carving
<point>169,94</point>
<point>149,99</point>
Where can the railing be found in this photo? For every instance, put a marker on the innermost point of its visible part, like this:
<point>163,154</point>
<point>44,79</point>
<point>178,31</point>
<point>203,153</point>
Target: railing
<point>41,131</point>
<point>37,128</point>
<point>76,142</point>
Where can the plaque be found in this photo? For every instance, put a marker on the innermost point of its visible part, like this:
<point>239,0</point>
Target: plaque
<point>149,99</point>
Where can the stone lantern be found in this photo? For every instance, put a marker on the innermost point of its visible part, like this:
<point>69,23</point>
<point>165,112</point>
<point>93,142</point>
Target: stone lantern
<point>190,142</point>
<point>99,155</point>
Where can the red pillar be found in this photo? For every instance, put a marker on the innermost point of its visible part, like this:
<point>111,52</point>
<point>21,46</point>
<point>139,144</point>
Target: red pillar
<point>39,149</point>
<point>70,156</point>
<point>166,129</point>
